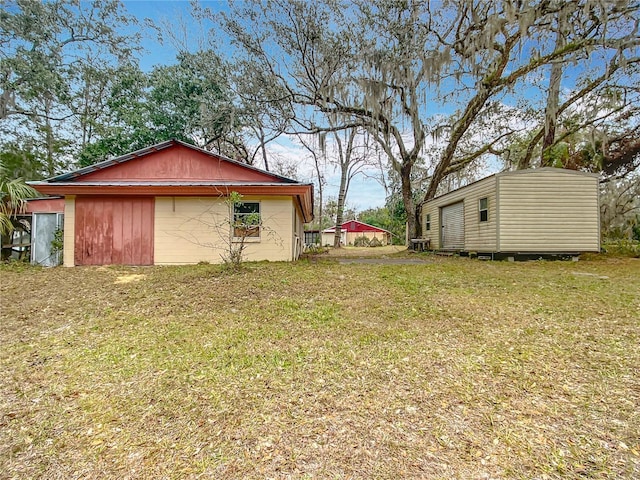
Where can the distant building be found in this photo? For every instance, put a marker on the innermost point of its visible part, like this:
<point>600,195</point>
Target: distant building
<point>353,229</point>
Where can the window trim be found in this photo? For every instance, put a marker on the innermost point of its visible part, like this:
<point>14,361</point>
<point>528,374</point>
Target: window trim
<point>427,222</point>
<point>249,237</point>
<point>483,210</point>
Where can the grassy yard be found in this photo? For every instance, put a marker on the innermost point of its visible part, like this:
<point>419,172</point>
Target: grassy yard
<point>452,369</point>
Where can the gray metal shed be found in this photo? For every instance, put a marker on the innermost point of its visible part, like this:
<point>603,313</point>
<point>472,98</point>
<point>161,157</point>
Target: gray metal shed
<point>539,211</point>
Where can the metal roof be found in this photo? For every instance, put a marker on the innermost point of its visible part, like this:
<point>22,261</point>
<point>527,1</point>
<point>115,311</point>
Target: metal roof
<point>167,183</point>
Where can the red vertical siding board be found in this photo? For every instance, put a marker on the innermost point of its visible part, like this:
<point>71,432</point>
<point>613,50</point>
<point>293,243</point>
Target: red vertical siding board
<point>145,232</point>
<point>107,225</point>
<point>127,233</point>
<point>99,217</point>
<point>149,217</point>
<point>136,232</point>
<point>79,234</point>
<point>98,254</point>
<point>92,233</point>
<point>117,237</point>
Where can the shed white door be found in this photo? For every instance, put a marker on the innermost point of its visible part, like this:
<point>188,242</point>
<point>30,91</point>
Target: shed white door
<point>452,226</point>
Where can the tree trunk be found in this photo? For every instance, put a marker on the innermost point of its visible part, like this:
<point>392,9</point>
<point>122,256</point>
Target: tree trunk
<point>264,149</point>
<point>553,98</point>
<point>342,194</point>
<point>407,198</point>
<point>51,161</point>
<point>320,201</point>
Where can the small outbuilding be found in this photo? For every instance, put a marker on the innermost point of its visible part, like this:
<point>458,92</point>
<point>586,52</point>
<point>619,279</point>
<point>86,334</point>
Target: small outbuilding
<point>538,211</point>
<point>353,229</point>
<point>168,204</point>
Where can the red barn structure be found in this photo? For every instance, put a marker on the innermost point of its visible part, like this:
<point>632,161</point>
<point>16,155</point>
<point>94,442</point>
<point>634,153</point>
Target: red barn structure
<point>353,229</point>
<point>166,205</point>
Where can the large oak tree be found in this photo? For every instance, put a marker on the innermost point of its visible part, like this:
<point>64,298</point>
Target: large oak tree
<point>412,71</point>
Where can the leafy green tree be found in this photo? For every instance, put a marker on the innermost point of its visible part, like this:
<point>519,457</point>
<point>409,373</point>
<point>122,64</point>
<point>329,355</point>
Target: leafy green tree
<point>393,220</point>
<point>21,160</point>
<point>46,44</point>
<point>13,195</point>
<point>620,208</point>
<point>190,101</point>
<point>55,59</point>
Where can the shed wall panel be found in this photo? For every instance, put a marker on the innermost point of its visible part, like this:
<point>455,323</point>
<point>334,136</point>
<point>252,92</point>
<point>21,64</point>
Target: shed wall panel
<point>549,211</point>
<point>196,229</point>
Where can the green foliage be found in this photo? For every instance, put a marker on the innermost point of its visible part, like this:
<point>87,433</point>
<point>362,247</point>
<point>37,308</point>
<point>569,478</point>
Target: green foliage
<point>635,229</point>
<point>57,244</point>
<point>189,101</point>
<point>622,248</point>
<point>13,195</point>
<point>56,60</point>
<point>361,242</point>
<point>375,242</point>
<point>21,160</point>
<point>557,156</point>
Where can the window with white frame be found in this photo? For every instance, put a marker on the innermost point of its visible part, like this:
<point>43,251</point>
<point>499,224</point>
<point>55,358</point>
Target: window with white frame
<point>246,220</point>
<point>427,222</point>
<point>483,207</point>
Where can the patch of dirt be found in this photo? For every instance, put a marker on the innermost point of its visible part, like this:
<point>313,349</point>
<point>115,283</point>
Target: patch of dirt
<point>366,251</point>
<point>385,261</point>
<point>129,278</point>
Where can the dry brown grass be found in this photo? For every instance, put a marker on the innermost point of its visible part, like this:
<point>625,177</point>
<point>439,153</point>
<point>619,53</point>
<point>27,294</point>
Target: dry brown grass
<point>451,369</point>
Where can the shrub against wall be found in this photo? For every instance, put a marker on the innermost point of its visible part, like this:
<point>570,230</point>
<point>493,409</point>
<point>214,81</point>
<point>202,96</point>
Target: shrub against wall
<point>361,242</point>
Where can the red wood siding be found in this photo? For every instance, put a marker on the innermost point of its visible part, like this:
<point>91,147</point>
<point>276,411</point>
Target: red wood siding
<point>45,205</point>
<point>179,163</point>
<point>114,231</point>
